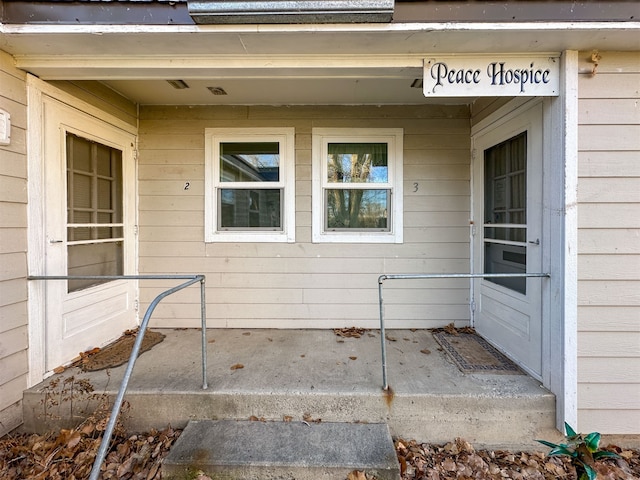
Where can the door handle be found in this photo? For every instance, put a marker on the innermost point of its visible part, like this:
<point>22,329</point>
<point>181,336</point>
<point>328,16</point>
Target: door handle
<point>535,242</point>
<point>51,240</point>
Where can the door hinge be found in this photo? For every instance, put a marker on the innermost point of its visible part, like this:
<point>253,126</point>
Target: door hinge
<point>135,230</point>
<point>136,305</point>
<point>473,305</point>
<point>474,154</point>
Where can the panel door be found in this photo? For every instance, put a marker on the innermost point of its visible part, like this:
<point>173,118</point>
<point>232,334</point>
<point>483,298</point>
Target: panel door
<point>508,231</point>
<point>89,209</point>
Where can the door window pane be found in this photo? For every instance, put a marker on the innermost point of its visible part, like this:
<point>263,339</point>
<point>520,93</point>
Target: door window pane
<point>505,215</point>
<point>94,211</point>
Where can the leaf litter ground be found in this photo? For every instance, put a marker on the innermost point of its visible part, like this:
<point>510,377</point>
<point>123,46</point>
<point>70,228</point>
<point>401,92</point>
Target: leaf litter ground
<point>69,455</point>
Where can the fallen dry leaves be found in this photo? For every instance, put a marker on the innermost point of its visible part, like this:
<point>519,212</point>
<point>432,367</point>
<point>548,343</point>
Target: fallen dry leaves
<point>351,332</point>
<point>69,454</point>
<point>459,460</point>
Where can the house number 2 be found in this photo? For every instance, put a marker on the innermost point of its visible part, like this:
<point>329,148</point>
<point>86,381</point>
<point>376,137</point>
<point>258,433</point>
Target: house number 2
<point>187,185</point>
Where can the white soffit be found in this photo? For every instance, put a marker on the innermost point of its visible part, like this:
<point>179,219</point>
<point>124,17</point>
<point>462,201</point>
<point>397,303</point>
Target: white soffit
<point>78,51</point>
<point>325,61</point>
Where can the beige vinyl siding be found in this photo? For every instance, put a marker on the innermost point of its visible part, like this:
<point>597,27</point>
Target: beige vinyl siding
<point>100,96</point>
<point>306,285</point>
<point>13,248</point>
<point>609,244</point>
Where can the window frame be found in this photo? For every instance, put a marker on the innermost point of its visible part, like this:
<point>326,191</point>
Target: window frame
<point>285,137</point>
<point>321,137</point>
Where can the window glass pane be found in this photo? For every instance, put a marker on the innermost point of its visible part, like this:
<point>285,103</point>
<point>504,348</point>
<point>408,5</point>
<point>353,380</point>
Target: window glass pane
<point>506,259</point>
<point>250,208</point>
<point>357,163</point>
<point>249,162</point>
<point>357,209</point>
<point>81,261</point>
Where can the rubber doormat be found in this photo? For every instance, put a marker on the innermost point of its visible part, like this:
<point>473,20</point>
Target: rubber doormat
<point>473,354</point>
<point>118,352</point>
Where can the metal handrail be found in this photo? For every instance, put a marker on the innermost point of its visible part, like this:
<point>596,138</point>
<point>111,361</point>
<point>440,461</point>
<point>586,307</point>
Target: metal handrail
<point>106,438</point>
<point>416,276</point>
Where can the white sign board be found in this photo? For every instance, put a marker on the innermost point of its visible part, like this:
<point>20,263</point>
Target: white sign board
<point>492,76</point>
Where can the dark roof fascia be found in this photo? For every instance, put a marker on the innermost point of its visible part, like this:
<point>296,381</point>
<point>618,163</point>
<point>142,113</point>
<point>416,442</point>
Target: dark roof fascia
<point>92,12</point>
<point>410,11</point>
<point>175,12</point>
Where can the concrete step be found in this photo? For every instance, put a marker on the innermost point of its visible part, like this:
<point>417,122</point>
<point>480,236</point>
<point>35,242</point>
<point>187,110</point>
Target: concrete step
<point>245,450</point>
<point>497,419</point>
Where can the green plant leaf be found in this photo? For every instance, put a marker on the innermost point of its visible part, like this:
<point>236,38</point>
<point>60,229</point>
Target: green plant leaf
<point>548,444</point>
<point>570,431</point>
<point>604,454</point>
<point>591,473</point>
<point>592,441</point>
<point>562,450</point>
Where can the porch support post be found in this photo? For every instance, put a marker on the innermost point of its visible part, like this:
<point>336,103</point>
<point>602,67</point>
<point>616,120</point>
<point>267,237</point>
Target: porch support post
<point>565,355</point>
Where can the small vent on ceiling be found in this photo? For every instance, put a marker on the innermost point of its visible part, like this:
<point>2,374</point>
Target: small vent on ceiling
<point>217,90</point>
<point>178,84</point>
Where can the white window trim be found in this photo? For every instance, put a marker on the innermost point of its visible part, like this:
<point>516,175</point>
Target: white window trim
<point>321,137</point>
<point>286,138</point>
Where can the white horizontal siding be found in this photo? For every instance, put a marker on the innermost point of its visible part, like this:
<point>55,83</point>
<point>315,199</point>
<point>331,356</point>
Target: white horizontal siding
<point>609,244</point>
<point>307,285</point>
<point>13,248</point>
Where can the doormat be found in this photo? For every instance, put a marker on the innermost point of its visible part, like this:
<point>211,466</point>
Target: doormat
<point>473,354</point>
<point>118,352</point>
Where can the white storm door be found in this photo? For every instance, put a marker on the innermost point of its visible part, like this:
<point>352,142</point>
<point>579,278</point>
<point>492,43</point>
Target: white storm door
<point>508,235</point>
<point>90,212</point>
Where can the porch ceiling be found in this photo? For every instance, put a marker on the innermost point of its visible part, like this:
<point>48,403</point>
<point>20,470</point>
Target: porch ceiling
<point>323,64</point>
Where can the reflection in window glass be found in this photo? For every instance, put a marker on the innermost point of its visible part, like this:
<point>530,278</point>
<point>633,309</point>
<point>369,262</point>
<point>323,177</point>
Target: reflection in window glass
<point>362,208</point>
<point>357,163</point>
<point>250,208</point>
<point>249,162</point>
<point>250,184</point>
<point>357,209</point>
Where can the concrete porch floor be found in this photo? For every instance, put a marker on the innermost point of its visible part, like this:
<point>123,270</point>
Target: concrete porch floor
<point>309,375</point>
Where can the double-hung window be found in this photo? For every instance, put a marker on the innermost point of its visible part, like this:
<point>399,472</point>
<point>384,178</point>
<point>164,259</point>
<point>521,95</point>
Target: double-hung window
<point>249,185</point>
<point>357,185</point>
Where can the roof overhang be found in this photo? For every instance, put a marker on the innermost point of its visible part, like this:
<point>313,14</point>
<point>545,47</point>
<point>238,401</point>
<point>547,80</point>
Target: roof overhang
<point>328,63</point>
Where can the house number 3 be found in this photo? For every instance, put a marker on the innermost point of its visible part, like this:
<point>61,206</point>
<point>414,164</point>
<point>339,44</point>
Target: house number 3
<point>415,187</point>
<point>187,185</point>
